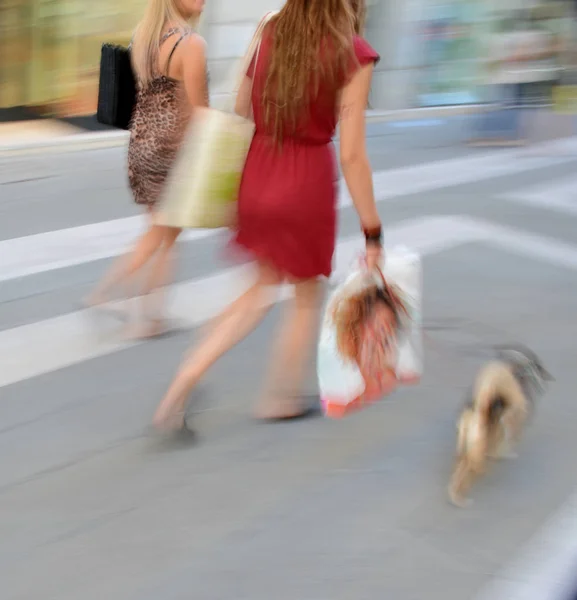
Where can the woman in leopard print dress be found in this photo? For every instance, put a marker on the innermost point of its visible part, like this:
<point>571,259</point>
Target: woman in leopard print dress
<point>170,67</point>
<point>158,123</point>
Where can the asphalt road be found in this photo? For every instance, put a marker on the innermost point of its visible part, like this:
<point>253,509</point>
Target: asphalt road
<point>92,506</point>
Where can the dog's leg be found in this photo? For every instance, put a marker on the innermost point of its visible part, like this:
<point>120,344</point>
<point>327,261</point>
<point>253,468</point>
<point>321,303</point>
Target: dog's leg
<point>458,478</point>
<point>512,423</point>
<point>506,450</point>
<point>460,484</point>
<point>494,441</point>
<point>500,447</point>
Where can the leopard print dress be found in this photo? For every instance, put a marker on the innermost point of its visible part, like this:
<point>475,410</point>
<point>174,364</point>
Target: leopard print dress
<point>158,124</point>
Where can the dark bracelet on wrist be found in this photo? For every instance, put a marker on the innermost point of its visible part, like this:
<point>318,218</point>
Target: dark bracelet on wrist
<point>373,235</point>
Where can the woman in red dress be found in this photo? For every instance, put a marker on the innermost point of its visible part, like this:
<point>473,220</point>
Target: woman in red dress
<point>312,71</point>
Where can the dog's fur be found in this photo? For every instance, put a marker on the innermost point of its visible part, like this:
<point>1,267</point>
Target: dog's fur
<point>494,417</point>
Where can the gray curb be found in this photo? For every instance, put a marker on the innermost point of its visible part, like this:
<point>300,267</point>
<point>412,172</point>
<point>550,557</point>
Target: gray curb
<point>67,143</point>
<point>111,139</point>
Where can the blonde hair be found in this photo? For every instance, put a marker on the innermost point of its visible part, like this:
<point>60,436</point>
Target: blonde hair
<point>146,40</point>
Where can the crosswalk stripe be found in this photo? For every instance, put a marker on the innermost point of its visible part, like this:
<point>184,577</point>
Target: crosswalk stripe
<point>527,244</point>
<point>458,171</point>
<point>545,570</point>
<point>52,250</point>
<point>559,196</point>
<point>42,252</point>
<point>45,346</point>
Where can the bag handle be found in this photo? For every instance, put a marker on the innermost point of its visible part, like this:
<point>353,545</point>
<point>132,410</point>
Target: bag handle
<point>395,298</point>
<point>253,51</point>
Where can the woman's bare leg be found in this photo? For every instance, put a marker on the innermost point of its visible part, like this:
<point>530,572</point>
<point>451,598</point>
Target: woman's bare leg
<point>128,265</point>
<point>248,311</point>
<point>152,321</point>
<point>292,353</point>
<point>231,309</point>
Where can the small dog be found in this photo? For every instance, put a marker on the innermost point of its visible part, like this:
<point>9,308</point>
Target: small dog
<point>491,423</point>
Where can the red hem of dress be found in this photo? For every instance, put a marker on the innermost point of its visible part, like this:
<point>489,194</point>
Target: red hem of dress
<point>263,255</point>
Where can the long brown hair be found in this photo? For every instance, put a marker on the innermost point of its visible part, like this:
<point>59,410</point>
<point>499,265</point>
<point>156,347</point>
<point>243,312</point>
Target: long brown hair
<point>360,14</point>
<point>302,29</point>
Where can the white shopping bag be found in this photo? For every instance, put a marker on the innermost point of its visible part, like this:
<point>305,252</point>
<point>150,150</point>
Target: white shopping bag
<point>363,352</point>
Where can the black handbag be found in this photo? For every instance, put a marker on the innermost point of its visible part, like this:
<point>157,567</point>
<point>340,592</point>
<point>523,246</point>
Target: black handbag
<point>116,87</point>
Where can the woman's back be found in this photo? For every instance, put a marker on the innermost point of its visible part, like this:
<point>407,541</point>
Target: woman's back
<point>287,200</point>
<point>158,123</point>
<point>317,120</point>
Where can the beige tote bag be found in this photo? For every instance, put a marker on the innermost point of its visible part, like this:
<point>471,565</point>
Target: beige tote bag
<point>202,187</point>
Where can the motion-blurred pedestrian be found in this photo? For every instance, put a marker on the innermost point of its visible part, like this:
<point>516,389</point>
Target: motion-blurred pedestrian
<point>312,68</point>
<point>170,67</point>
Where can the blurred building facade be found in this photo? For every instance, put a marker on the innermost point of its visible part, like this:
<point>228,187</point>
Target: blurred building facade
<point>50,49</point>
<point>432,50</point>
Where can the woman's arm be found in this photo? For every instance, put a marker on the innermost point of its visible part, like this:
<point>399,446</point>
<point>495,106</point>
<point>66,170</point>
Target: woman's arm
<point>353,156</point>
<point>242,105</point>
<point>193,56</point>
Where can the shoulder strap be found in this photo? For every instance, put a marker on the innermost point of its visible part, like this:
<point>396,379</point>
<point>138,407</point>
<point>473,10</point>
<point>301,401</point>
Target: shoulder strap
<point>169,33</point>
<point>185,34</point>
<point>253,50</point>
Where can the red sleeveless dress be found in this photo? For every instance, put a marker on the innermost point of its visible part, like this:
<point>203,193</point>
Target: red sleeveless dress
<point>287,207</point>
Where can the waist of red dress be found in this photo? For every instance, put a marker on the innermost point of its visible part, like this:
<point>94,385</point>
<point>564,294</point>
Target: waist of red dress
<point>296,141</point>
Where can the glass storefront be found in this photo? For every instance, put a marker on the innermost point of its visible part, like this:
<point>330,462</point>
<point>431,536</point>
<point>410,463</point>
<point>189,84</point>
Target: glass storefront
<point>432,50</point>
<point>452,37</point>
<point>54,50</point>
<point>15,34</point>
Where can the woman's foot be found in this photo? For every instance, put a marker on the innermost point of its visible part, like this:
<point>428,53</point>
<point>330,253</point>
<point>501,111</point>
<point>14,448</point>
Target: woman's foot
<point>281,408</point>
<point>148,329</point>
<point>168,420</point>
<point>101,304</point>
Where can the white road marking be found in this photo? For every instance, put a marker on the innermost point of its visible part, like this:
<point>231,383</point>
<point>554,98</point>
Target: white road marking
<point>559,196</point>
<point>458,171</point>
<point>39,253</point>
<point>45,346</point>
<point>52,344</point>
<point>523,243</point>
<point>42,252</point>
<point>547,568</point>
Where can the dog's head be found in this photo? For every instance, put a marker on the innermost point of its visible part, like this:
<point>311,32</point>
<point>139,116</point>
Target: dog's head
<point>526,365</point>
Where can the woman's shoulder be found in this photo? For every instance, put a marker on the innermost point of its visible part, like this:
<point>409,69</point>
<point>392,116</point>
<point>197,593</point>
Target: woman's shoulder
<point>194,43</point>
<point>189,50</point>
<point>195,38</point>
<point>364,52</point>
<point>184,33</point>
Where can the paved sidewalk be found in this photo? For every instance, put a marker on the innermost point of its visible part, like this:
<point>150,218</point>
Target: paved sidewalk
<point>25,132</point>
<point>42,135</point>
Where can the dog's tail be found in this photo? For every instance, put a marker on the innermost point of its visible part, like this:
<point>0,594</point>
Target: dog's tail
<point>497,380</point>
